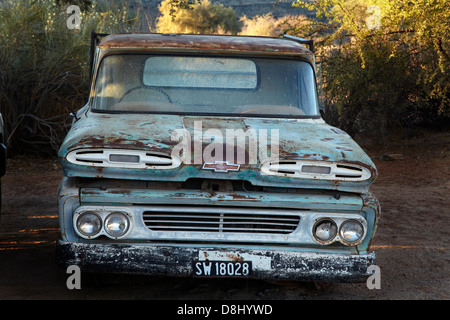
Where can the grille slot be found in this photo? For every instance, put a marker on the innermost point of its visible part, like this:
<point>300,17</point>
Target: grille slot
<point>222,220</point>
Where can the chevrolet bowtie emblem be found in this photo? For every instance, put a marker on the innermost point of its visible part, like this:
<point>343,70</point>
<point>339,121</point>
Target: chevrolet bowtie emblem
<point>221,166</point>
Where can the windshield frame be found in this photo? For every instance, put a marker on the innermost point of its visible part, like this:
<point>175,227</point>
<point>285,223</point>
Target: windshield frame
<point>200,114</point>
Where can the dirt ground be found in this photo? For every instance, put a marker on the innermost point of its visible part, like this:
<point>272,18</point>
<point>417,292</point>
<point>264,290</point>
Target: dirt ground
<point>412,243</point>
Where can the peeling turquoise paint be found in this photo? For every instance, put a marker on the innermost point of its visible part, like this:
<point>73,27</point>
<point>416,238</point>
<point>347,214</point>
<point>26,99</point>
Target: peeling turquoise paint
<point>303,139</point>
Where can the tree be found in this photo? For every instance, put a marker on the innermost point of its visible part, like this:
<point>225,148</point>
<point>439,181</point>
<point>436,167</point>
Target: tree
<point>385,63</point>
<point>44,68</point>
<point>264,25</point>
<point>201,17</point>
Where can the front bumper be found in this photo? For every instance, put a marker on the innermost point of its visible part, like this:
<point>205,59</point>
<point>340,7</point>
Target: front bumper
<point>274,264</point>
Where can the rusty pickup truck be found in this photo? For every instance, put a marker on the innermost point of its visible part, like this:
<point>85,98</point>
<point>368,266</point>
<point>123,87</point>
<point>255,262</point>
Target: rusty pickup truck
<point>207,156</point>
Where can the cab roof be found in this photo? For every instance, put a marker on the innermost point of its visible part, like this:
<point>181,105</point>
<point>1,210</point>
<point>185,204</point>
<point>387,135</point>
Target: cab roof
<point>214,44</point>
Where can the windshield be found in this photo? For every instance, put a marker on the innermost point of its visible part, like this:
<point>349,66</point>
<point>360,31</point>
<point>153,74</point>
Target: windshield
<point>206,85</point>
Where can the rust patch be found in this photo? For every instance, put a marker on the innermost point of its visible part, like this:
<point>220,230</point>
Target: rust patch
<point>179,194</point>
<point>147,123</point>
<point>99,172</point>
<point>315,157</point>
<point>338,131</point>
<point>241,196</point>
<point>122,143</point>
<point>120,191</point>
<point>168,142</point>
<point>373,170</point>
<point>344,149</point>
<point>288,155</point>
<point>235,257</point>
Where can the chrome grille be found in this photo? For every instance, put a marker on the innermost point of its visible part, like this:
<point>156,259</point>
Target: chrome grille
<point>220,219</point>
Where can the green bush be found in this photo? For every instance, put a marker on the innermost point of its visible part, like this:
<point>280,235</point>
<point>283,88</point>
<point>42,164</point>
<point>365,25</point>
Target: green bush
<point>382,70</point>
<point>44,68</point>
<point>263,25</point>
<point>201,17</point>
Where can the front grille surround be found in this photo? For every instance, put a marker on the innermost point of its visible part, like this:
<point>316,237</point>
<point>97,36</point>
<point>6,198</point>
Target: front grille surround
<point>214,224</point>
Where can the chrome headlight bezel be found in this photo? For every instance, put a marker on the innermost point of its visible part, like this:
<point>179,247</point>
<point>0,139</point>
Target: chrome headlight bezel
<point>121,225</point>
<point>324,223</point>
<point>85,216</point>
<point>103,213</point>
<point>343,226</point>
<point>339,220</point>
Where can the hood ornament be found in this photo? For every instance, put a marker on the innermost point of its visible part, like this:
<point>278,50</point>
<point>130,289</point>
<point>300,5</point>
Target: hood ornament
<point>221,166</point>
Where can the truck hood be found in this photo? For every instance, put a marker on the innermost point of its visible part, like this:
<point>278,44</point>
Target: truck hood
<point>298,139</point>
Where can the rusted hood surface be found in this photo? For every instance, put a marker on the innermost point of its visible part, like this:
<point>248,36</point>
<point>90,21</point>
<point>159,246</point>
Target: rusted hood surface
<point>306,139</point>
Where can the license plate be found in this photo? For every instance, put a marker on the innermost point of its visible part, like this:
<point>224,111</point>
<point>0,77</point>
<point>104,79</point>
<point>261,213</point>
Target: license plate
<point>222,268</point>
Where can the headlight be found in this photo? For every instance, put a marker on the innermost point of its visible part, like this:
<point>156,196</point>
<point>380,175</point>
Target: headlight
<point>325,230</point>
<point>89,224</point>
<point>351,231</point>
<point>116,224</point>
